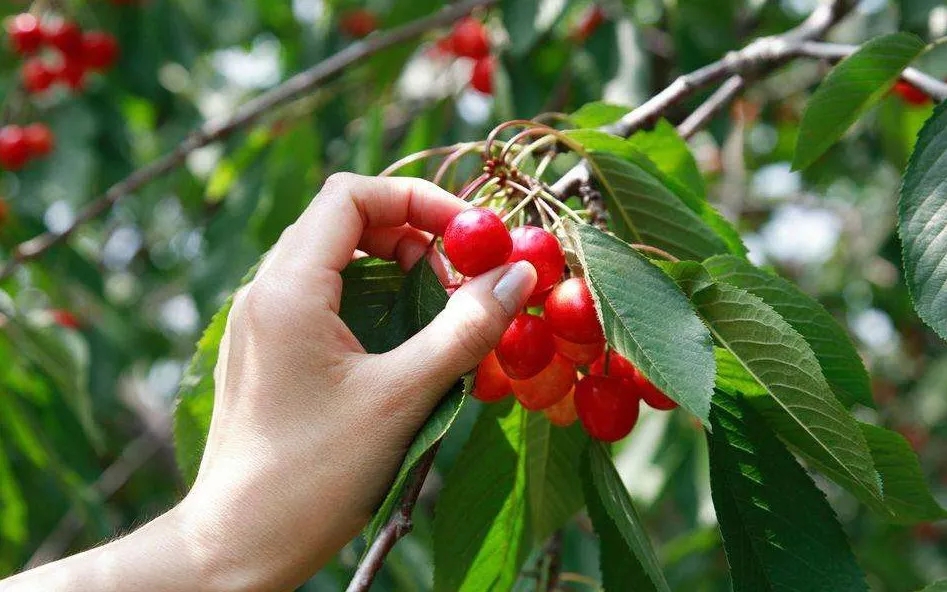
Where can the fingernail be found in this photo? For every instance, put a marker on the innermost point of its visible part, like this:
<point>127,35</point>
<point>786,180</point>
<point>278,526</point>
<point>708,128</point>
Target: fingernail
<point>514,286</point>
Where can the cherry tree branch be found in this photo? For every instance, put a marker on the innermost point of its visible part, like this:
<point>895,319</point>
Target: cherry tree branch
<point>709,109</point>
<point>303,83</point>
<point>397,528</point>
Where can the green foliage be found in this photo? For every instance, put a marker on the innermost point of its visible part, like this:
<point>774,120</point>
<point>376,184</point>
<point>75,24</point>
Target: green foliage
<point>553,455</point>
<point>840,362</point>
<point>670,153</point>
<point>922,215</point>
<point>481,528</point>
<point>778,529</point>
<point>649,321</point>
<point>597,114</point>
<point>628,560</point>
<point>850,89</point>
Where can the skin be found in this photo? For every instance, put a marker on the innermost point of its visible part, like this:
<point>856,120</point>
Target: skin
<point>308,430</point>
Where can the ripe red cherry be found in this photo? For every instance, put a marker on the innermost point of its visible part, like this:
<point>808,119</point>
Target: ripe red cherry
<point>481,78</point>
<point>526,347</point>
<point>607,410</point>
<point>476,240</point>
<point>469,39</point>
<point>542,249</point>
<point>358,23</point>
<point>591,21</point>
<point>546,388</point>
<point>571,312</point>
<point>39,138</point>
<point>37,77</point>
<point>538,298</point>
<point>14,151</point>
<point>72,73</point>
<point>618,367</point>
<point>579,353</point>
<point>491,384</point>
<point>99,50</point>
<point>25,34</point>
<point>911,94</point>
<point>65,36</point>
<point>65,319</point>
<point>563,413</point>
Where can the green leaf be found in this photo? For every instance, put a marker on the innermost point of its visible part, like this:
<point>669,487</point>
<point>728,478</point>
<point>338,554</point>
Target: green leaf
<point>800,404</point>
<point>14,529</point>
<point>598,114</point>
<point>647,319</point>
<point>669,151</point>
<point>647,206</point>
<point>779,531</point>
<point>553,456</point>
<point>938,586</point>
<point>520,21</point>
<point>628,559</point>
<point>922,217</point>
<point>838,358</point>
<point>370,288</point>
<point>481,517</point>
<point>850,89</point>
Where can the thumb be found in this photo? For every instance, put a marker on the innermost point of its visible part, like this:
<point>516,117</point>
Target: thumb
<point>465,331</point>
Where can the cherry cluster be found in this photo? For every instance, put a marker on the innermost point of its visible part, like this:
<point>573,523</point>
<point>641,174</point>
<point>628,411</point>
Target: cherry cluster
<point>19,145</point>
<point>553,359</point>
<point>469,39</point>
<point>73,53</point>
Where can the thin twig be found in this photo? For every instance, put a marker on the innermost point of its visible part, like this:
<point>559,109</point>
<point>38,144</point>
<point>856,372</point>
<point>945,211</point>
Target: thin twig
<point>709,109</point>
<point>397,528</point>
<point>301,84</point>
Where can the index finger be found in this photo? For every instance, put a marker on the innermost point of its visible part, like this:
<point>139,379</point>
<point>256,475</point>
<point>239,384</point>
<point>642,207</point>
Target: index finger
<point>324,238</point>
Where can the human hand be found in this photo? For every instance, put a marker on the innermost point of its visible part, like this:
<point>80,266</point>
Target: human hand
<point>308,430</point>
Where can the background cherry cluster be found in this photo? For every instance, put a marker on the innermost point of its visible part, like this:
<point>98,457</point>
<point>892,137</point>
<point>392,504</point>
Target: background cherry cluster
<point>553,358</point>
<point>55,52</point>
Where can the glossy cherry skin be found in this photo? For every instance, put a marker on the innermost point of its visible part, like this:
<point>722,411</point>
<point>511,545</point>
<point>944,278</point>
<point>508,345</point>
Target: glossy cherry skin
<point>538,298</point>
<point>476,241</point>
<point>99,50</point>
<point>37,77</point>
<point>491,384</point>
<point>39,138</point>
<point>25,34</point>
<point>563,413</point>
<point>911,94</point>
<point>570,311</point>
<point>526,347</point>
<point>14,149</point>
<point>358,23</point>
<point>607,410</point>
<point>546,388</point>
<point>581,354</point>
<point>469,39</point>
<point>481,79</point>
<point>542,249</point>
<point>620,367</point>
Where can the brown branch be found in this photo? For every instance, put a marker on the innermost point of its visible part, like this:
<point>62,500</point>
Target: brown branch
<point>397,528</point>
<point>212,131</point>
<point>552,562</point>
<point>709,109</point>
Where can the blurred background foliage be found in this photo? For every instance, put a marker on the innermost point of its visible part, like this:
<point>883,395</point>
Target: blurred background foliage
<point>95,335</point>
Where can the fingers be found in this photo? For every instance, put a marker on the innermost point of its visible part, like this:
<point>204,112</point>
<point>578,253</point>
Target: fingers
<point>459,337</point>
<point>404,244</point>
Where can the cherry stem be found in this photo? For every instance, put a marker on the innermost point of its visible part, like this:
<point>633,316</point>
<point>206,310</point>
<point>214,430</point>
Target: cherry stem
<point>451,160</point>
<point>425,154</point>
<point>656,251</point>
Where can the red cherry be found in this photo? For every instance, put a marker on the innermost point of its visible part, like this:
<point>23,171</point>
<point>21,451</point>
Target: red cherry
<point>538,298</point>
<point>469,39</point>
<point>563,413</point>
<point>444,45</point>
<point>911,94</point>
<point>606,409</point>
<point>25,34</point>
<point>570,311</point>
<point>526,347</point>
<point>65,36</point>
<point>358,23</point>
<point>591,21</point>
<point>491,384</point>
<point>476,240</point>
<point>546,388</point>
<point>65,319</point>
<point>72,73</point>
<point>618,367</point>
<point>542,249</point>
<point>481,78</point>
<point>14,150</point>
<point>579,353</point>
<point>39,138</point>
<point>650,393</point>
<point>37,77</point>
<point>99,50</point>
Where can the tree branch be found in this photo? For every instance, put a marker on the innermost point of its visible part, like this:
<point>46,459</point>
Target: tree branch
<point>711,107</point>
<point>212,131</point>
<point>397,528</point>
